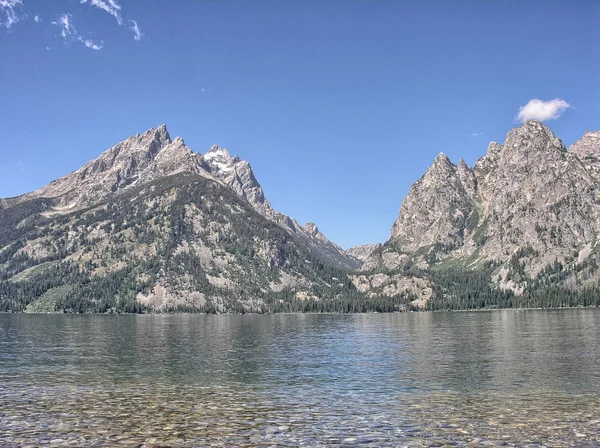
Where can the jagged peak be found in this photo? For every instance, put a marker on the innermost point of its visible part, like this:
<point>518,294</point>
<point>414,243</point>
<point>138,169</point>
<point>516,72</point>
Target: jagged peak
<point>531,129</point>
<point>441,164</point>
<point>462,164</point>
<point>158,133</point>
<point>311,228</point>
<point>216,152</point>
<point>442,158</point>
<point>587,145</point>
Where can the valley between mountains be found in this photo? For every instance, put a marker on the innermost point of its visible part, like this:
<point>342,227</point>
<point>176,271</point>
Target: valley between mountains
<point>151,226</point>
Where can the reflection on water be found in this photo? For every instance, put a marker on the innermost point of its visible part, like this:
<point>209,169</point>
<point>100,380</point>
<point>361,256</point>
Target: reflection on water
<point>525,378</point>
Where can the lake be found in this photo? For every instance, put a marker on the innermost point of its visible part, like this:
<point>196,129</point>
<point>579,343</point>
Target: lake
<point>514,378</point>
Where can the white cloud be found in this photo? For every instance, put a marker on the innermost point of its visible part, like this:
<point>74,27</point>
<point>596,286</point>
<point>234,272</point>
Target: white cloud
<point>476,134</point>
<point>542,110</point>
<point>136,30</point>
<point>110,6</point>
<point>90,44</point>
<point>10,12</point>
<point>68,31</point>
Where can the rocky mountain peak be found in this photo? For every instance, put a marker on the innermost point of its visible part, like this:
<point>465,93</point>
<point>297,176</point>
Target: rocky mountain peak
<point>532,135</point>
<point>528,194</point>
<point>139,158</point>
<point>220,160</point>
<point>140,146</point>
<point>441,168</point>
<point>437,207</point>
<point>588,145</point>
<point>311,228</point>
<point>587,150</point>
<point>217,150</point>
<point>442,162</point>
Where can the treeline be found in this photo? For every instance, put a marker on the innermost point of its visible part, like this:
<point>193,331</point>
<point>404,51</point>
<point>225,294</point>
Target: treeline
<point>463,289</point>
<point>108,275</point>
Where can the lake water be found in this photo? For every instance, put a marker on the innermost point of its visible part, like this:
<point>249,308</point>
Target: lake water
<point>514,378</point>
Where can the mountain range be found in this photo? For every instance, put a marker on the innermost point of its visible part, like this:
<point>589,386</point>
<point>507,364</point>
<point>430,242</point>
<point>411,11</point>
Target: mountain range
<point>151,225</point>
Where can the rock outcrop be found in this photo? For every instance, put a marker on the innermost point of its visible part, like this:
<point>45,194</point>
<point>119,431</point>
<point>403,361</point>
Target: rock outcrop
<point>364,251</point>
<point>587,149</point>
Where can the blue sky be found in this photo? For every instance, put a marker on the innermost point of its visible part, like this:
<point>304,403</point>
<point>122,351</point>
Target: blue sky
<point>338,105</point>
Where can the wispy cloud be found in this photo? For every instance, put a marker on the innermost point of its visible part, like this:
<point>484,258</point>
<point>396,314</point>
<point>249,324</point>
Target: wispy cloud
<point>90,44</point>
<point>136,30</point>
<point>10,12</point>
<point>542,110</point>
<point>68,31</point>
<point>476,134</point>
<point>110,6</point>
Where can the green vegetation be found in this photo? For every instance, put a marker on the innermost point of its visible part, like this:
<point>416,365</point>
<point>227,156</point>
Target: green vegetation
<point>103,259</point>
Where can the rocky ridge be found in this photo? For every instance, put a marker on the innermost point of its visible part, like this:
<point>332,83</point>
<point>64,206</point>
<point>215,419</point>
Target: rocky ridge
<point>238,175</point>
<point>146,157</point>
<point>134,161</point>
<point>363,251</point>
<point>526,204</point>
<point>151,225</point>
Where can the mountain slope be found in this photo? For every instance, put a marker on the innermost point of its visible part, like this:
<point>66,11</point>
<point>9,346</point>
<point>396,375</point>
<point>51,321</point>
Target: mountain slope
<point>525,206</point>
<point>151,225</point>
<point>143,158</point>
<point>238,175</point>
<point>181,242</point>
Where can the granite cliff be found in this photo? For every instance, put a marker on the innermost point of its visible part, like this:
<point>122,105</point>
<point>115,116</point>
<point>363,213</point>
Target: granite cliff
<point>527,205</point>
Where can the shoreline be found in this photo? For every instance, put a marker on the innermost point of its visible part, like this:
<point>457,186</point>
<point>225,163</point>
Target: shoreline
<point>477,310</point>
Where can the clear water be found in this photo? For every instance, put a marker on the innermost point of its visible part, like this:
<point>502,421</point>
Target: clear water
<point>513,378</point>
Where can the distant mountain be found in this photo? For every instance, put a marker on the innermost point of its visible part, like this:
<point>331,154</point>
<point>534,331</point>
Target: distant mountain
<point>364,251</point>
<point>150,224</point>
<point>527,215</point>
<point>143,158</point>
<point>135,161</point>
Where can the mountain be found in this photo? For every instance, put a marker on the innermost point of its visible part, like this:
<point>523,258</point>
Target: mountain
<point>149,156</point>
<point>364,251</point>
<point>137,160</point>
<point>586,149</point>
<point>238,175</point>
<point>525,217</point>
<point>151,225</point>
